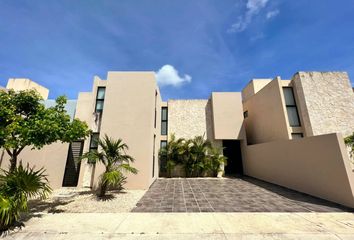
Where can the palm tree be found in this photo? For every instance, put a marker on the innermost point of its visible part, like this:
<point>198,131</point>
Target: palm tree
<point>113,156</point>
<point>16,187</point>
<point>171,154</point>
<point>196,154</point>
<point>215,160</point>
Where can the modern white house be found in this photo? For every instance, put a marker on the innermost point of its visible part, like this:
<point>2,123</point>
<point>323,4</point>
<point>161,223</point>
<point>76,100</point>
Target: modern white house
<point>287,132</point>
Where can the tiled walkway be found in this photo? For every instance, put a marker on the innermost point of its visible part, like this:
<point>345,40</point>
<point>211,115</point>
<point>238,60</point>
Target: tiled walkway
<point>227,195</point>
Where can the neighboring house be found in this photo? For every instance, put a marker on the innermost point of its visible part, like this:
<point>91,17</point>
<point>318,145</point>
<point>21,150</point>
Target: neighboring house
<point>288,132</point>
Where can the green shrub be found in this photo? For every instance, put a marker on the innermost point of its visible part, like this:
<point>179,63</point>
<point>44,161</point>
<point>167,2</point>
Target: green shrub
<point>197,156</point>
<point>16,188</point>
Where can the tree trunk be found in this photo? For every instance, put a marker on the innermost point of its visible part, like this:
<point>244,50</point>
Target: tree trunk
<point>13,162</point>
<point>103,190</point>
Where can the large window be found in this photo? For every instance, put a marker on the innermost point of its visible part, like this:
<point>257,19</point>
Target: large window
<point>94,141</point>
<point>164,116</point>
<point>100,99</point>
<point>291,108</point>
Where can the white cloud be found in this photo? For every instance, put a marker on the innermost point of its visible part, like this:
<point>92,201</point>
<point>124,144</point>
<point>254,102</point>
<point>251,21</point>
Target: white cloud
<point>273,13</point>
<point>168,75</point>
<point>253,8</point>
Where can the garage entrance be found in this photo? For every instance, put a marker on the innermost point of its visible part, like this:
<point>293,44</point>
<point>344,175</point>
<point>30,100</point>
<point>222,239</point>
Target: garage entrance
<point>232,150</point>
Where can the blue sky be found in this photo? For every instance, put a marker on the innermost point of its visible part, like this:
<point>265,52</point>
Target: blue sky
<point>214,45</point>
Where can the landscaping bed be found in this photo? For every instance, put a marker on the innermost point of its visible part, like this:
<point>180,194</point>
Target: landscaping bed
<point>73,200</point>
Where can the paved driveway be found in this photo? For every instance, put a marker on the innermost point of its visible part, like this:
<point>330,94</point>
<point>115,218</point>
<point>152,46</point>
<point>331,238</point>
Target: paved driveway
<point>228,195</point>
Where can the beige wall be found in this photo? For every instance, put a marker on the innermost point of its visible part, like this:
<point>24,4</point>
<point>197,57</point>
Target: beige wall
<point>52,158</point>
<point>325,101</point>
<point>254,86</point>
<point>19,84</point>
<point>267,119</point>
<point>128,113</point>
<point>318,166</point>
<point>84,112</point>
<point>227,113</point>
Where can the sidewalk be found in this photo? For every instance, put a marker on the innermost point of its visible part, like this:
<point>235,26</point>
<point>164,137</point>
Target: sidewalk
<point>188,226</point>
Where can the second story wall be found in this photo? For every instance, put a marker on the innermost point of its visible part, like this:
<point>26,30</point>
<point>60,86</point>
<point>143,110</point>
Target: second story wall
<point>128,113</point>
<point>326,102</point>
<point>265,114</point>
<point>227,115</point>
<point>19,84</point>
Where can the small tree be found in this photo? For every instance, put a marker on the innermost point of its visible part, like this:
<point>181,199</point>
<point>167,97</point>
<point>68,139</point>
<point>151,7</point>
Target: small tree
<point>172,154</point>
<point>196,156</point>
<point>115,160</point>
<point>215,160</point>
<point>24,121</point>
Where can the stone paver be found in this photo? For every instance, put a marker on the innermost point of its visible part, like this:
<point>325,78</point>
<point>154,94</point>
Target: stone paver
<point>228,195</point>
<point>188,226</point>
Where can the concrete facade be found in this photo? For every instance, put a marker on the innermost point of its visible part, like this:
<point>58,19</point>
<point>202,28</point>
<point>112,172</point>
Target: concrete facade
<point>19,84</point>
<point>227,113</point>
<point>317,165</point>
<point>260,118</point>
<point>266,119</point>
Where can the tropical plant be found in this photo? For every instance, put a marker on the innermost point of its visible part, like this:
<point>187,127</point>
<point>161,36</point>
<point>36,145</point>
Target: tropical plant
<point>349,141</point>
<point>113,156</point>
<point>172,154</point>
<point>215,160</point>
<point>195,159</point>
<point>25,121</point>
<point>16,188</point>
<point>197,156</point>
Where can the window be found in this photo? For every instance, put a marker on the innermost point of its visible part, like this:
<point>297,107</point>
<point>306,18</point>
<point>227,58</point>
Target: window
<point>94,141</point>
<point>163,144</point>
<point>291,108</point>
<point>100,99</point>
<point>245,114</point>
<point>164,115</point>
<point>296,135</point>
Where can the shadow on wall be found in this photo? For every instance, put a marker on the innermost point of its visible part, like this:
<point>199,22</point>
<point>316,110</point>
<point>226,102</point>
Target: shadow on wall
<point>318,166</point>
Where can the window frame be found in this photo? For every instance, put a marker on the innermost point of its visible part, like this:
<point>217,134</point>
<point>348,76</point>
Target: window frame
<point>91,141</point>
<point>245,114</point>
<point>164,121</point>
<point>294,106</point>
<point>101,100</point>
<point>299,134</point>
<point>163,141</point>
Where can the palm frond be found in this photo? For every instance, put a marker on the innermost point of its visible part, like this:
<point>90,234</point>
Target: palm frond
<point>112,154</point>
<point>93,157</point>
<point>15,189</point>
<point>127,168</point>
